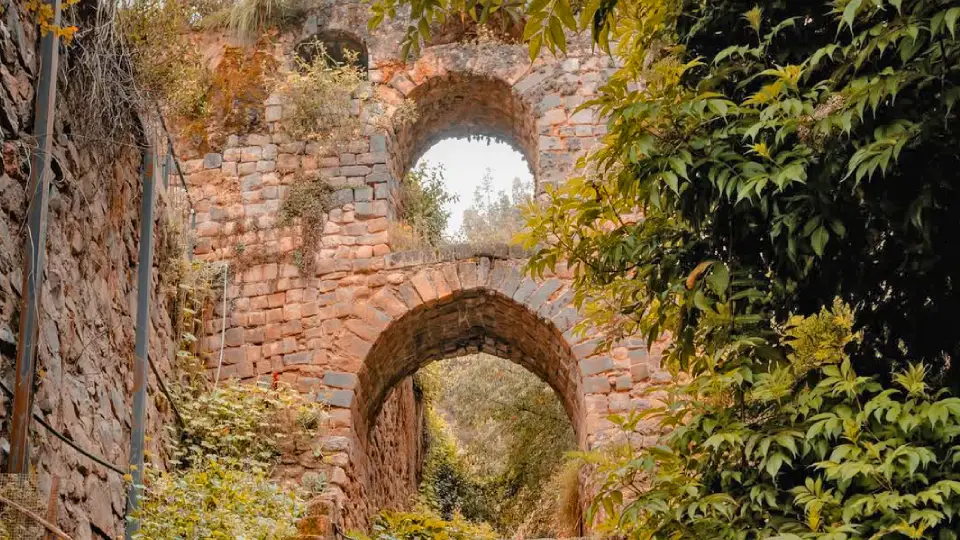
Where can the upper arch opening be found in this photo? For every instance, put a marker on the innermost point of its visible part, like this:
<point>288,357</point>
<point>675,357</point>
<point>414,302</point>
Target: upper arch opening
<point>462,105</point>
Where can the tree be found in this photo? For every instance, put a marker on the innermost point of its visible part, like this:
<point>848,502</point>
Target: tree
<point>423,200</point>
<point>495,216</point>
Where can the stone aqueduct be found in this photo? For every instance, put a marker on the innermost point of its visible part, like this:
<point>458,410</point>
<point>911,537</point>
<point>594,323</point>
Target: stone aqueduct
<point>355,330</point>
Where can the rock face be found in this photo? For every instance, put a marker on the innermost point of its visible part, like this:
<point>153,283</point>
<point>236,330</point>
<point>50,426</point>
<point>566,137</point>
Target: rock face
<point>89,297</point>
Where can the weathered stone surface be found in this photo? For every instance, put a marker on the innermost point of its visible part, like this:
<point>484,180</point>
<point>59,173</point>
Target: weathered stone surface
<point>367,317</point>
<point>89,291</point>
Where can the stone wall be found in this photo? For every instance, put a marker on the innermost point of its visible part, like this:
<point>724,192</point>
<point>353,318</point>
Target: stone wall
<point>89,297</point>
<point>365,318</point>
<point>396,452</point>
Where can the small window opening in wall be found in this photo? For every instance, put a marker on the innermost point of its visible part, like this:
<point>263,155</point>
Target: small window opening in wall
<point>339,48</point>
<point>467,191</point>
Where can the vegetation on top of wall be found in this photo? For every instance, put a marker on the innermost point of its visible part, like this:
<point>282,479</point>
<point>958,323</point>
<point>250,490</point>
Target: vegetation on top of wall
<point>167,66</point>
<point>322,99</point>
<point>250,19</point>
<point>233,100</point>
<point>459,20</point>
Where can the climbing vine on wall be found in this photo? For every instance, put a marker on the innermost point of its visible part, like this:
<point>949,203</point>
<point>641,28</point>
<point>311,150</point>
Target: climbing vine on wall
<point>306,204</point>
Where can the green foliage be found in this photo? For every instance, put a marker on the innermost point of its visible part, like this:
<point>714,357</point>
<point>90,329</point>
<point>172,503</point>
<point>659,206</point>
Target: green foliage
<point>447,487</point>
<point>810,146</point>
<point>498,436</point>
<point>423,199</point>
<point>318,99</point>
<point>214,500</point>
<point>424,525</point>
<point>811,451</point>
<point>244,424</point>
<point>494,217</point>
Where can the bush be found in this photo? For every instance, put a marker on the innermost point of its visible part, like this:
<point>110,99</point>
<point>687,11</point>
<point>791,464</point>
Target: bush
<point>244,424</point>
<point>423,199</point>
<point>318,98</point>
<point>216,500</point>
<point>812,451</point>
<point>425,526</point>
<point>167,66</point>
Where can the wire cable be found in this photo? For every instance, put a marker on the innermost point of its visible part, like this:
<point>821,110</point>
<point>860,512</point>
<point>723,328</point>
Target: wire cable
<point>69,442</point>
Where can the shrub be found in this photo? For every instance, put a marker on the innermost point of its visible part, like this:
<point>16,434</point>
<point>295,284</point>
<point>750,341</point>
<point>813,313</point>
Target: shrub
<point>244,424</point>
<point>155,35</point>
<point>423,198</point>
<point>447,487</point>
<point>425,526</point>
<point>318,98</point>
<point>215,500</point>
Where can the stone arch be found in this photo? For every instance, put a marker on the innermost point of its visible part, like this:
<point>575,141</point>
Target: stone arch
<point>481,319</point>
<point>464,104</point>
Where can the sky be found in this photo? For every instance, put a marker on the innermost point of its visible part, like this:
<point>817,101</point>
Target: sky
<point>464,162</point>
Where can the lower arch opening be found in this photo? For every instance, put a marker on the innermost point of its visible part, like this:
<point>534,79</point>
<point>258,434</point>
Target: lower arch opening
<point>448,386</point>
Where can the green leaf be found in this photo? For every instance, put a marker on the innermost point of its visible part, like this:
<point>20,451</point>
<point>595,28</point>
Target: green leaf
<point>719,278</point>
<point>774,463</point>
<point>951,20</point>
<point>535,43</point>
<point>850,12</point>
<point>819,239</point>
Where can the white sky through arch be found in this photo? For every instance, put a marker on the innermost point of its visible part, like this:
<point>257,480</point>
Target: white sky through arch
<point>465,161</point>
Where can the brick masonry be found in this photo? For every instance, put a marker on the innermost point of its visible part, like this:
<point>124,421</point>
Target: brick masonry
<point>354,330</point>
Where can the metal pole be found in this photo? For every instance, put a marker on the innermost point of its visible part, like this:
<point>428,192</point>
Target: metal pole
<point>145,266</point>
<point>34,249</point>
<point>193,234</point>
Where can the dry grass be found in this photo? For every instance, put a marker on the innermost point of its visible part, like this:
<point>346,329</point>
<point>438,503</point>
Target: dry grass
<point>251,19</point>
